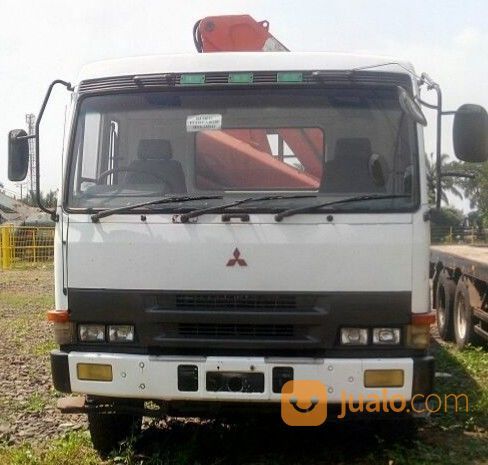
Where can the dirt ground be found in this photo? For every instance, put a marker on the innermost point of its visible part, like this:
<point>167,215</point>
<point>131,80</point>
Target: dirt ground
<point>31,425</point>
<point>27,398</point>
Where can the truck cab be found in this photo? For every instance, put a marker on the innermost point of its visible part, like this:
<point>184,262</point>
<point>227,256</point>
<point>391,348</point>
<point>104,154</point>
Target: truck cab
<point>231,222</point>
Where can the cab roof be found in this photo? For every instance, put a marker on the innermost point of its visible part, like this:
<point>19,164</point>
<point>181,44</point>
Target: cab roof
<point>240,61</point>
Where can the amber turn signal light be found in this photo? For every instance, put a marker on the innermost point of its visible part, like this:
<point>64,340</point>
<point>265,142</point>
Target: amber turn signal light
<point>58,316</point>
<point>421,319</point>
<point>94,372</point>
<point>383,378</point>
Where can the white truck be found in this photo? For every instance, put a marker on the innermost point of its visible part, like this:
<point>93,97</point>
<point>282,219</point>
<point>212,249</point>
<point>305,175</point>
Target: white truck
<point>228,222</point>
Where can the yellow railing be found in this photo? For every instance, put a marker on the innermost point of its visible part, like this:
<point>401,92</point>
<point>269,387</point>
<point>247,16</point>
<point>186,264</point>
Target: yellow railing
<point>25,245</point>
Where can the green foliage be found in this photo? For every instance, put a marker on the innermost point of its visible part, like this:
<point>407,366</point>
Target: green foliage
<point>35,403</point>
<point>48,199</point>
<point>475,188</point>
<point>447,217</point>
<point>73,449</point>
<point>448,184</point>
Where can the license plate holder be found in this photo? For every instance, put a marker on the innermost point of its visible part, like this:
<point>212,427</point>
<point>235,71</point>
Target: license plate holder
<point>234,381</point>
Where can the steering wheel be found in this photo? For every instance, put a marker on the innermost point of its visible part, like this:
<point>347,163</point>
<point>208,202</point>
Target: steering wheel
<point>128,169</point>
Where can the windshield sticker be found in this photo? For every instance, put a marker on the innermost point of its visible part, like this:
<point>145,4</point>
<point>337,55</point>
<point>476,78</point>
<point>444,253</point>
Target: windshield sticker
<point>203,122</point>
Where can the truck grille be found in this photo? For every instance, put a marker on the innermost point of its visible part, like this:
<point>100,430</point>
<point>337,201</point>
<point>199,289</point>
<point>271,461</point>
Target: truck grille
<point>217,322</point>
<point>235,330</point>
<point>235,301</point>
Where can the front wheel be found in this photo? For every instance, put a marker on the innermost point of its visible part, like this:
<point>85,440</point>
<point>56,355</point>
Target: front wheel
<point>108,430</point>
<point>463,317</point>
<point>446,290</point>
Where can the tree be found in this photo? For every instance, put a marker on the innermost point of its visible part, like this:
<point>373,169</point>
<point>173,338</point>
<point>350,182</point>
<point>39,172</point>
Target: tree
<point>450,216</point>
<point>448,184</point>
<point>49,199</point>
<point>475,188</point>
<point>443,222</point>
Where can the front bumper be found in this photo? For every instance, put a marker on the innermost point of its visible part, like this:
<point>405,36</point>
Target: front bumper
<point>156,377</point>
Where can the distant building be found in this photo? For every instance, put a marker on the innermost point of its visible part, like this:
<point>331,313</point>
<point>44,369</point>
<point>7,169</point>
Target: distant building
<point>14,211</point>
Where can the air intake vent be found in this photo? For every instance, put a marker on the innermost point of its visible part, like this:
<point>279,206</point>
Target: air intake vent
<point>172,80</point>
<point>236,301</point>
<point>235,330</point>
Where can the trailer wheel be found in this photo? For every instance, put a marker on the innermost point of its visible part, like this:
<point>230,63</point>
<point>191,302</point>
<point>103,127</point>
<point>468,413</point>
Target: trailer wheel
<point>108,430</point>
<point>463,317</point>
<point>445,292</point>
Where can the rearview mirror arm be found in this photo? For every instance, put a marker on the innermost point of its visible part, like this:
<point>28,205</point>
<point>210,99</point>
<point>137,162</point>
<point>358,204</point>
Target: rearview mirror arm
<point>35,136</point>
<point>431,85</point>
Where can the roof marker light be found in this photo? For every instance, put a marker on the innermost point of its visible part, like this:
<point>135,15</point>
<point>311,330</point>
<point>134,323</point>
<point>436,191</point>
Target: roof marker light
<point>289,77</point>
<point>192,79</point>
<point>240,78</point>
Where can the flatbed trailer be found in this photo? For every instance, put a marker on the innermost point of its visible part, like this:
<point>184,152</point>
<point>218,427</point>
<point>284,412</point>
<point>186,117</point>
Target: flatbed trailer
<point>459,292</point>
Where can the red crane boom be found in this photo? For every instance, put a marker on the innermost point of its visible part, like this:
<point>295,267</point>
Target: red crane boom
<point>234,33</point>
<point>243,33</point>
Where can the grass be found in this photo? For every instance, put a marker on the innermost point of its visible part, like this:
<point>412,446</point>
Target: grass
<point>35,403</point>
<point>69,450</point>
<point>469,374</point>
<point>20,301</point>
<point>44,347</point>
<point>452,438</point>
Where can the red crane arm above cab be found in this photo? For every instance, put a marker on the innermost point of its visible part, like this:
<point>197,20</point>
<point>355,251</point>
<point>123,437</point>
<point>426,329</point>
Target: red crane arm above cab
<point>242,33</point>
<point>234,33</point>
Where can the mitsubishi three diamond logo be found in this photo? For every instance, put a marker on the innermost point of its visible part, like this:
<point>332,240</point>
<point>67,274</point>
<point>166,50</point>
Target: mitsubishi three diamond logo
<point>237,259</point>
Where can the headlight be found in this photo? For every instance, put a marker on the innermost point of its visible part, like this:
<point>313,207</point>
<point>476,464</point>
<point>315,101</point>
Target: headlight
<point>354,336</point>
<point>386,336</point>
<point>121,333</point>
<point>91,333</point>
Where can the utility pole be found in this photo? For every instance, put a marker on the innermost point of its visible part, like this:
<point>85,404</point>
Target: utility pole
<point>30,120</point>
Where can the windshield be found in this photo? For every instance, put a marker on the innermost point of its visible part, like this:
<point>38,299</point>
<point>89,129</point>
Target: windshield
<point>330,142</point>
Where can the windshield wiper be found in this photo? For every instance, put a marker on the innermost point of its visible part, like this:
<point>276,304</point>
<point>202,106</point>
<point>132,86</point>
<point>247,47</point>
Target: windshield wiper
<point>182,198</point>
<point>185,217</point>
<point>357,198</point>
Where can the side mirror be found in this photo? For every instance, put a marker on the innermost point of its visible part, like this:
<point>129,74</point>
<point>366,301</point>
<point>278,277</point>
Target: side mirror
<point>18,155</point>
<point>470,133</point>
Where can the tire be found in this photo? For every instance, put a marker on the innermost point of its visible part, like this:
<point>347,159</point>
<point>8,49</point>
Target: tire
<point>108,430</point>
<point>445,293</point>
<point>463,317</point>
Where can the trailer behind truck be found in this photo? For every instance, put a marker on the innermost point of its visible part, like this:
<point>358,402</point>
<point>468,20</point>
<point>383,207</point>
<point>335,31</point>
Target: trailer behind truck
<point>460,285</point>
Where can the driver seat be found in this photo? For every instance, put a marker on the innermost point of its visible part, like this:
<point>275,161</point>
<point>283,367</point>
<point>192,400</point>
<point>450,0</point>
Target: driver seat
<point>349,171</point>
<point>156,156</point>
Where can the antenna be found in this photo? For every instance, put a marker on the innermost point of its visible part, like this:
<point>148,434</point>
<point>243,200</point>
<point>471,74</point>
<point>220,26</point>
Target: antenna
<point>30,120</point>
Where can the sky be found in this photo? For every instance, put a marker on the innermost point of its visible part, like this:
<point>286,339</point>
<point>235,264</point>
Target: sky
<point>45,40</point>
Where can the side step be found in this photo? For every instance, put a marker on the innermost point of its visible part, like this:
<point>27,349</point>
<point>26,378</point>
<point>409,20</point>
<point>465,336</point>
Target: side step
<point>81,404</point>
<point>72,404</point>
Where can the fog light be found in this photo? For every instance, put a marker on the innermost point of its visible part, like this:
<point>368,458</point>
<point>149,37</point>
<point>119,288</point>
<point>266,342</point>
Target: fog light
<point>354,336</point>
<point>418,336</point>
<point>91,333</point>
<point>121,333</point>
<point>386,336</point>
<point>383,378</point>
<point>94,372</point>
